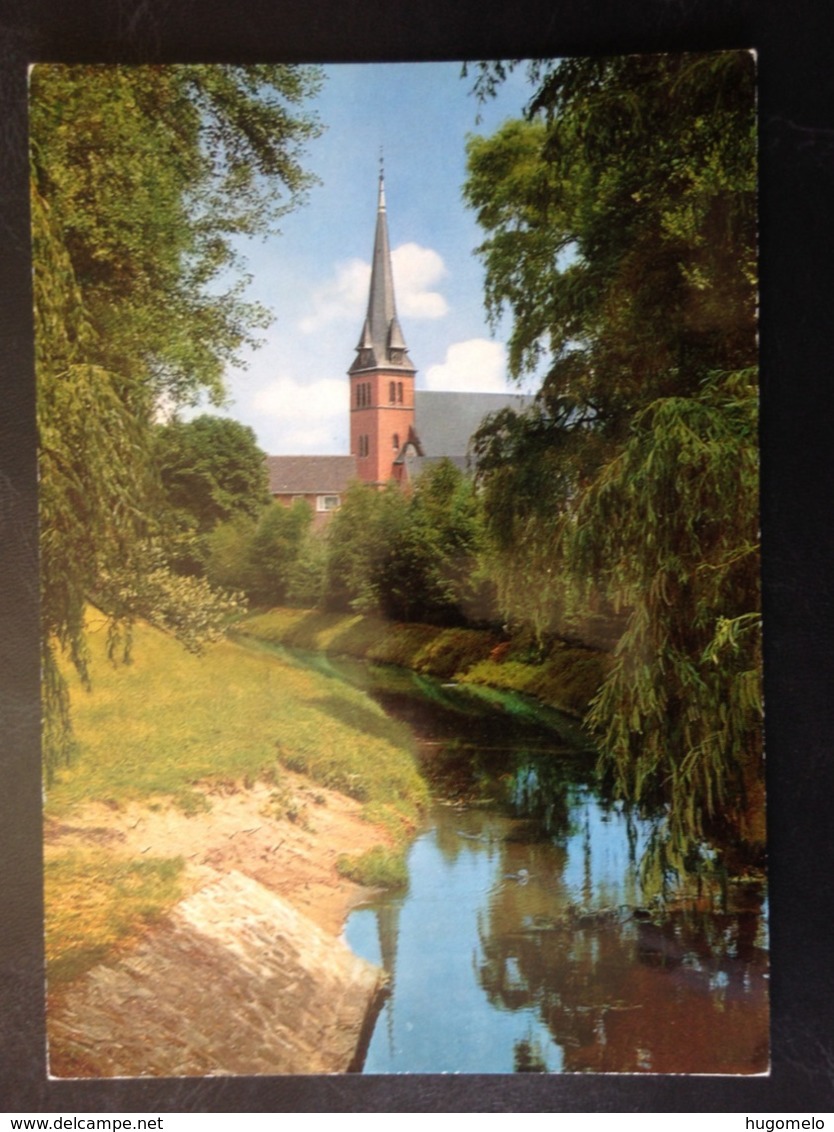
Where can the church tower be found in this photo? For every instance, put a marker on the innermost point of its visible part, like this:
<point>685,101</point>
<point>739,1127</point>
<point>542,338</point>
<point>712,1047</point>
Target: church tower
<point>382,376</point>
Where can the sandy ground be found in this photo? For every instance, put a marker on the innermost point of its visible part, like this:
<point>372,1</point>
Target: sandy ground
<point>246,830</point>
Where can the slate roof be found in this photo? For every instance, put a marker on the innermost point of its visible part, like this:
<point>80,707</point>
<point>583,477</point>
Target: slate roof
<point>445,422</point>
<point>381,343</point>
<point>310,475</point>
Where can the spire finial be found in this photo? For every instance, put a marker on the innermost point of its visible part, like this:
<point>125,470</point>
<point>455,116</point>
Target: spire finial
<point>381,180</point>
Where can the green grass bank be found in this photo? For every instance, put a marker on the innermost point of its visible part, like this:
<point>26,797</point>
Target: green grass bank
<point>561,676</point>
<point>168,727</point>
<point>168,721</point>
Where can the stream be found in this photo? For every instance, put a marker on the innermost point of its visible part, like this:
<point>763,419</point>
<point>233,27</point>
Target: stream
<point>526,940</point>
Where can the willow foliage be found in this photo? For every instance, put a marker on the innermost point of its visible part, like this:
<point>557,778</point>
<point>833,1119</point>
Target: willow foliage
<point>140,179</point>
<point>92,487</point>
<point>620,235</point>
<point>670,526</point>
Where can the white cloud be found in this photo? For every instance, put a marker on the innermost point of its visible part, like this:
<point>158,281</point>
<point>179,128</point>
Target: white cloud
<point>296,401</point>
<point>341,298</point>
<point>301,417</point>
<point>345,296</point>
<point>416,271</point>
<point>478,365</point>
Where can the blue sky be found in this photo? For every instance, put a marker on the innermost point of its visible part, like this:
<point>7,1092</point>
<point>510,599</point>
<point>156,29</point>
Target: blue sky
<point>314,275</point>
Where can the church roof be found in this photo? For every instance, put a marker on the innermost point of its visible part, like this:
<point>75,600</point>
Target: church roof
<point>381,342</point>
<point>310,475</point>
<point>445,422</point>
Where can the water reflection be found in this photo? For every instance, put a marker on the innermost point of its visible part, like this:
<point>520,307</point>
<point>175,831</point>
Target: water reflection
<point>623,987</point>
<point>512,955</point>
<point>527,940</point>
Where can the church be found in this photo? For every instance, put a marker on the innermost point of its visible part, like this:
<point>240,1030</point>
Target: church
<point>396,430</point>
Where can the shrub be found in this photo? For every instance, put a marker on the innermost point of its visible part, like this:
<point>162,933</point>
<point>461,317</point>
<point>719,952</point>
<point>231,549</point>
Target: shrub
<point>378,868</point>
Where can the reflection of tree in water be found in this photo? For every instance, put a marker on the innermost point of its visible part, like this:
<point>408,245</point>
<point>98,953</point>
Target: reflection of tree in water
<point>387,915</point>
<point>539,790</point>
<point>469,832</point>
<point>530,786</point>
<point>528,1057</point>
<point>625,989</point>
<point>620,982</point>
<point>527,897</point>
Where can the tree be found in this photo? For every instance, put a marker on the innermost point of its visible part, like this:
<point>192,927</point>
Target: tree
<point>141,177</point>
<point>307,574</point>
<point>445,503</point>
<point>147,174</point>
<point>275,548</point>
<point>410,555</point>
<point>228,558</point>
<point>212,471</point>
<point>275,559</point>
<point>404,567</point>
<point>620,220</point>
<point>671,524</point>
<point>351,545</point>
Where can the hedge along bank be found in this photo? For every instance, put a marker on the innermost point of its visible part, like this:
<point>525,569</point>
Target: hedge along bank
<point>561,675</point>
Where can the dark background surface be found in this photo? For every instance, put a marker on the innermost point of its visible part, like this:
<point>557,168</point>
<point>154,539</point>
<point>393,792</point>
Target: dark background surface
<point>796,102</point>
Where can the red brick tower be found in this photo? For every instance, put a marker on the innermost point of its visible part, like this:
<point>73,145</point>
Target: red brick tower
<point>382,376</point>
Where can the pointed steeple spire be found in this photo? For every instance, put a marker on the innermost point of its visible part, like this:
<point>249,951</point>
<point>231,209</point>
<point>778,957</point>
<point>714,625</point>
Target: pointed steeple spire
<point>381,343</point>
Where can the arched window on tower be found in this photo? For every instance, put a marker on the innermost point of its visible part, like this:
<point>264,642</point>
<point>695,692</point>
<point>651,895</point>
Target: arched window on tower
<point>391,392</point>
<point>400,392</point>
<point>395,442</point>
